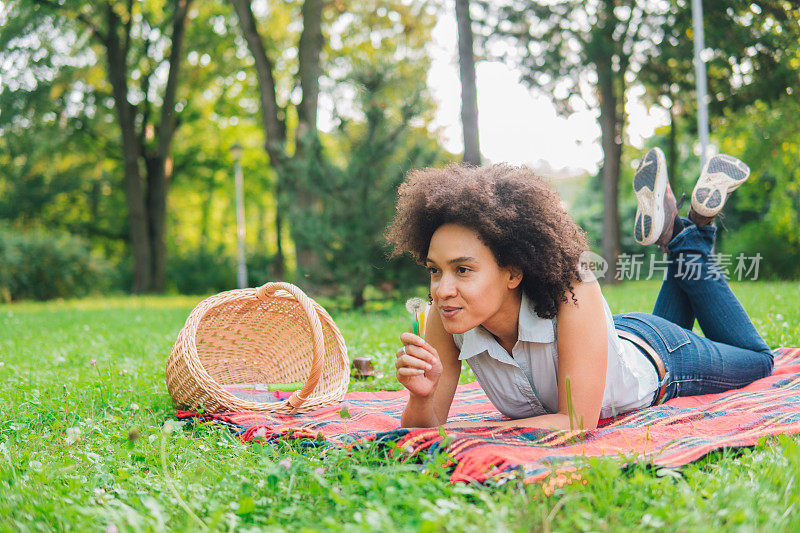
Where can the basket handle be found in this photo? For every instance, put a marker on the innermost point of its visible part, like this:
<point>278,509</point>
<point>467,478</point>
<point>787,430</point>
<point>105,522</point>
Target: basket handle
<point>298,398</point>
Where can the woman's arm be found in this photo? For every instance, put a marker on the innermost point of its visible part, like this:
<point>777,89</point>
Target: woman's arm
<point>582,358</point>
<point>431,392</point>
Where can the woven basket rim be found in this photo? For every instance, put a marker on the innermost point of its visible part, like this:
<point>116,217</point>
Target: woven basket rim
<point>210,384</point>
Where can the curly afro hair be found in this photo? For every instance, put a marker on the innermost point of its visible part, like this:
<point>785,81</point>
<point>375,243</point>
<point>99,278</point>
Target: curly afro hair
<point>513,211</point>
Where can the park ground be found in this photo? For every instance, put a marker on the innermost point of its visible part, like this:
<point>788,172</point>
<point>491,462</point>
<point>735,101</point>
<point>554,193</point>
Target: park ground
<point>87,443</point>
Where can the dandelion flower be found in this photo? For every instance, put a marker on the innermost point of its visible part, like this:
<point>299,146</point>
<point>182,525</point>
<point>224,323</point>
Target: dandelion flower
<point>415,305</point>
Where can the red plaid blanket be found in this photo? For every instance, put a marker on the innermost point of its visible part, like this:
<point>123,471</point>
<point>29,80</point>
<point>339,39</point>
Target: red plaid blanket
<point>673,434</point>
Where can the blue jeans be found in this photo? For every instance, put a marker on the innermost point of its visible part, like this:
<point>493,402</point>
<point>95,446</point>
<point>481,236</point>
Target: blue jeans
<point>731,355</point>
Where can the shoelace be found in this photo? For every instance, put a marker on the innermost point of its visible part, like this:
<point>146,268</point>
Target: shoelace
<point>683,198</point>
<point>720,217</point>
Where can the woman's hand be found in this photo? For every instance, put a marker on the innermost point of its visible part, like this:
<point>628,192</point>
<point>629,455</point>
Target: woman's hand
<point>418,365</point>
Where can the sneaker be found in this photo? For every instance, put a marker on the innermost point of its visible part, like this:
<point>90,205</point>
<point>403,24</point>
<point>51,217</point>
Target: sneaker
<point>721,176</point>
<point>657,207</point>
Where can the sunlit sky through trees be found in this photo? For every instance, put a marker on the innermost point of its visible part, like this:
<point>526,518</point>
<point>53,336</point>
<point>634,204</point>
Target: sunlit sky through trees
<point>516,125</point>
<point>519,126</point>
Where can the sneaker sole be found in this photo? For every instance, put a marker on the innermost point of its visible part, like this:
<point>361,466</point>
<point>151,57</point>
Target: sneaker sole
<point>721,176</point>
<point>650,186</point>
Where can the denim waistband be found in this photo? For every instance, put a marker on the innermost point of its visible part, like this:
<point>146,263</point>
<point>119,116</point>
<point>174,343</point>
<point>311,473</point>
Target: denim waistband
<point>661,335</point>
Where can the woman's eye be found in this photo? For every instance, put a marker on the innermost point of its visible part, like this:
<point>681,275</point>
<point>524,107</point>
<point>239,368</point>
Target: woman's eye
<point>462,270</point>
<point>432,270</point>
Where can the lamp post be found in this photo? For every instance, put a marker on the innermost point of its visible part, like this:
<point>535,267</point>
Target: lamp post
<point>700,76</point>
<point>241,271</point>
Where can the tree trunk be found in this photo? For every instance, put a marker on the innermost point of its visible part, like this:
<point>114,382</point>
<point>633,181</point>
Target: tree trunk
<point>156,202</point>
<point>309,50</point>
<point>309,70</point>
<point>131,151</point>
<point>358,297</point>
<point>274,126</point>
<point>158,175</point>
<point>612,152</point>
<point>469,91</point>
<point>279,266</point>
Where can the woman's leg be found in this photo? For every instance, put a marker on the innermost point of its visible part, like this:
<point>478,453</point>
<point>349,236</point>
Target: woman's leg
<point>694,285</point>
<point>656,222</point>
<point>719,313</point>
<point>696,365</point>
<point>672,303</point>
<point>732,354</point>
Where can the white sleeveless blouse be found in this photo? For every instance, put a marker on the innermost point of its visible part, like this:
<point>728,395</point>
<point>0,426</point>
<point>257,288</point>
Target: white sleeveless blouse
<point>514,382</point>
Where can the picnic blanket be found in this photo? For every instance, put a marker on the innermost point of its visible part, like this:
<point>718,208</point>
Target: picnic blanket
<point>675,433</point>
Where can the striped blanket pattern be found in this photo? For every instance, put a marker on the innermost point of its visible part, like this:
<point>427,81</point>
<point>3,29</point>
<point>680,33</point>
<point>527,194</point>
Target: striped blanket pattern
<point>673,434</point>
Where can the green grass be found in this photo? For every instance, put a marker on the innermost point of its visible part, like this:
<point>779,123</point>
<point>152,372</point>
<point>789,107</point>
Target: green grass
<point>83,406</point>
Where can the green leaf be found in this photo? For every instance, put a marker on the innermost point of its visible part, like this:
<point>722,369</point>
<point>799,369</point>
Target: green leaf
<point>246,506</point>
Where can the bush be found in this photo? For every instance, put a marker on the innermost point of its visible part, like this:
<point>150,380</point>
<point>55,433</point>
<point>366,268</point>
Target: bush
<point>43,265</point>
<point>201,271</point>
<point>779,250</point>
<point>259,269</point>
<point>211,270</point>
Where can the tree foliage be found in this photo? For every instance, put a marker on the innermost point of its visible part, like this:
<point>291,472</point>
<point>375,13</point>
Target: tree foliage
<point>63,157</point>
<point>358,193</point>
<point>585,55</point>
<point>136,48</point>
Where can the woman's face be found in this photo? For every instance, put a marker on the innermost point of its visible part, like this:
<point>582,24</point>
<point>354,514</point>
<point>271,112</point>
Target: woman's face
<point>467,285</point>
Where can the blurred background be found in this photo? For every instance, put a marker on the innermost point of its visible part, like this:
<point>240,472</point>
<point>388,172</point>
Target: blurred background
<point>127,127</point>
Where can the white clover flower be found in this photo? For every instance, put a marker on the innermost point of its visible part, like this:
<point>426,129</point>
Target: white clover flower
<point>134,407</point>
<point>73,434</point>
<point>35,465</point>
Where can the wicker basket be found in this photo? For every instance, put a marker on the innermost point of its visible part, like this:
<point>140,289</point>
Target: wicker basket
<point>250,337</point>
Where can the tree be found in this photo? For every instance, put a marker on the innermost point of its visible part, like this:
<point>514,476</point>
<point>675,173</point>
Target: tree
<point>142,45</point>
<point>274,115</point>
<point>359,192</point>
<point>401,28</point>
<point>748,55</point>
<point>584,54</point>
<point>469,90</point>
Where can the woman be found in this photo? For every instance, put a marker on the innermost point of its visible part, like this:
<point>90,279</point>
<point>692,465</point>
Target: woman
<point>508,297</point>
